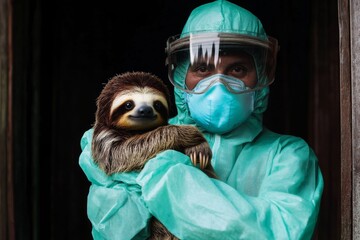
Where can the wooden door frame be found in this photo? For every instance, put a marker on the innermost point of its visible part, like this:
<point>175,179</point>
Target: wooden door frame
<point>349,49</point>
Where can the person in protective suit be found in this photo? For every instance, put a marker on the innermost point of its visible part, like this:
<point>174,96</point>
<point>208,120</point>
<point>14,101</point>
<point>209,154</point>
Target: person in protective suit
<point>269,185</point>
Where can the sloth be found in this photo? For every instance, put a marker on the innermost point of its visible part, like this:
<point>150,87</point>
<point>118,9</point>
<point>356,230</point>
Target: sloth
<point>131,127</point>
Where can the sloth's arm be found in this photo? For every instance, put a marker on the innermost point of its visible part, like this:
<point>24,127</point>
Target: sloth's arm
<point>134,152</point>
<point>102,147</point>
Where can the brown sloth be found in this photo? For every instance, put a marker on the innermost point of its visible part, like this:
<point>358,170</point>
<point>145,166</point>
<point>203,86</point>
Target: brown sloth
<point>131,127</point>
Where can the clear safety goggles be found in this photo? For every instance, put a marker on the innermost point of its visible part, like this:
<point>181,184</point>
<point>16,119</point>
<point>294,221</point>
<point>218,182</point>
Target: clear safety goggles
<point>184,53</point>
<point>232,84</point>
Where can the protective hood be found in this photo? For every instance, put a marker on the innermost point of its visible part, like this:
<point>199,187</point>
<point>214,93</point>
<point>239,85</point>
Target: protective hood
<point>225,17</point>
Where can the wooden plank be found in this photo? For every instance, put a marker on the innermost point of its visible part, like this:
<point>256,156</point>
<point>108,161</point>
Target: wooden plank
<point>3,117</point>
<point>7,226</point>
<point>345,116</point>
<point>355,85</point>
<point>9,130</point>
<point>324,112</point>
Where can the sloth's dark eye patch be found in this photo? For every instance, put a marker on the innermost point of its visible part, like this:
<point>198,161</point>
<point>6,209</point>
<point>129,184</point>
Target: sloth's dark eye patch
<point>158,106</point>
<point>161,109</point>
<point>128,105</point>
<point>122,109</point>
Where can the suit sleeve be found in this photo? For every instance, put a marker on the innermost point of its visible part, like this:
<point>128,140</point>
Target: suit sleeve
<point>194,206</point>
<point>114,205</point>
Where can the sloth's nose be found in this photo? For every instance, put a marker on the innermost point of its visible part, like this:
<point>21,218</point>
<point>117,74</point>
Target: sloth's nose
<point>145,111</point>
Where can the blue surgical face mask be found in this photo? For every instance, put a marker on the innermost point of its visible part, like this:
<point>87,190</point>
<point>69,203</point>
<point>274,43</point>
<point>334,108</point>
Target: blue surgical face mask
<point>217,110</point>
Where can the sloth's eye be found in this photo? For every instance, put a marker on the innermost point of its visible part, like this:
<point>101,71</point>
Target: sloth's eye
<point>158,105</point>
<point>129,105</point>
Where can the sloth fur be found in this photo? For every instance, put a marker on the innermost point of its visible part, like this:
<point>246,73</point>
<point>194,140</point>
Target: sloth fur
<point>131,127</point>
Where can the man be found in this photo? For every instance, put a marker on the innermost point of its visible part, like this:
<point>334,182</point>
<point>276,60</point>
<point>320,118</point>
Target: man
<point>269,185</point>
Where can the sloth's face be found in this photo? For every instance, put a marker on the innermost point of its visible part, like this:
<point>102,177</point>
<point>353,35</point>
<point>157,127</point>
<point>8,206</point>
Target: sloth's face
<point>139,109</point>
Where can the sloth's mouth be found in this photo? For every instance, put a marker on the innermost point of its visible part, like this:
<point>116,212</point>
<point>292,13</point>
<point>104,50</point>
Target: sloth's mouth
<point>142,118</point>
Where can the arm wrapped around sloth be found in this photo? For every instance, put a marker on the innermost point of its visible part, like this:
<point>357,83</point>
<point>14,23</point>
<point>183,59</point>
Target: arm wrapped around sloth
<point>114,153</point>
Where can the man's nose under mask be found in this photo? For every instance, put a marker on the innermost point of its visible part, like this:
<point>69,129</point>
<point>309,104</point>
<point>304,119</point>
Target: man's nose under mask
<point>217,110</point>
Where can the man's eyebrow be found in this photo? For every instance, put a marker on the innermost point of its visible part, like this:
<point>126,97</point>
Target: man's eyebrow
<point>243,62</point>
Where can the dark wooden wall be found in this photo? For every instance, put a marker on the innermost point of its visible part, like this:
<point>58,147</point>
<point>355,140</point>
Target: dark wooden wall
<point>65,50</point>
<point>6,163</point>
<point>324,111</point>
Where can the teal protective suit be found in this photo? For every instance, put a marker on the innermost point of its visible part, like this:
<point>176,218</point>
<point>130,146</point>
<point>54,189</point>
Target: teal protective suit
<point>269,185</point>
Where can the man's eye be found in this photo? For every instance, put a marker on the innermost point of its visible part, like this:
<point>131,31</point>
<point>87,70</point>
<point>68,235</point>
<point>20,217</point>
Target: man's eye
<point>239,71</point>
<point>201,69</point>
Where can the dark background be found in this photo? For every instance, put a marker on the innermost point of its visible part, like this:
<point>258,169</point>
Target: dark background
<point>64,52</point>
